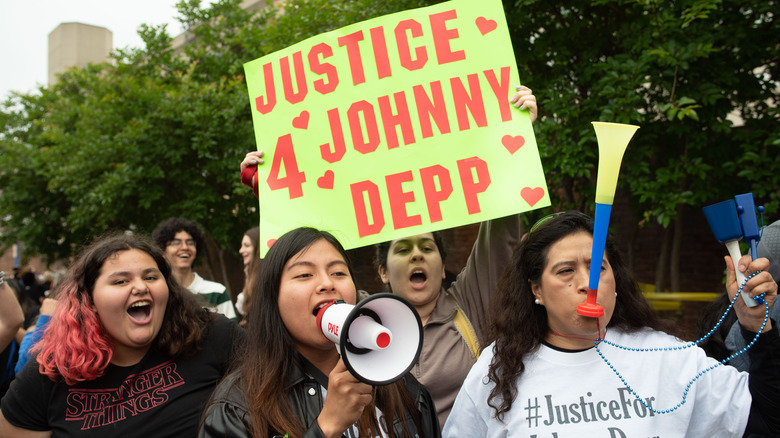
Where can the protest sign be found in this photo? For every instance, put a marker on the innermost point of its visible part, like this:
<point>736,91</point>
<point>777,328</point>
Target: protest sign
<point>394,126</point>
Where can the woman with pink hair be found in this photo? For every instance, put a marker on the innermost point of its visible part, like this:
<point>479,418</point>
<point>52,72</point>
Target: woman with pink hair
<point>129,352</point>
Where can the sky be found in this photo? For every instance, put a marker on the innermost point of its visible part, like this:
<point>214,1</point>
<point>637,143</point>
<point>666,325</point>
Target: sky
<point>25,26</point>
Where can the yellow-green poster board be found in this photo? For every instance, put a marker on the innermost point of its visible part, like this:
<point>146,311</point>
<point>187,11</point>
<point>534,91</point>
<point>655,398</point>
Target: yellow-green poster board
<point>394,126</point>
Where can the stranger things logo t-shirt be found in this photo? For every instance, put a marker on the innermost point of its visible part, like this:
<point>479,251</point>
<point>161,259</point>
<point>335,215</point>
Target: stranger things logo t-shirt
<point>157,397</point>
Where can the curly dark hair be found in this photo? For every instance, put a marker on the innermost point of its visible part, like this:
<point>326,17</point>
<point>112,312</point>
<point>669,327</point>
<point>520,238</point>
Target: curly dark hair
<point>167,229</point>
<point>79,348</point>
<point>514,310</point>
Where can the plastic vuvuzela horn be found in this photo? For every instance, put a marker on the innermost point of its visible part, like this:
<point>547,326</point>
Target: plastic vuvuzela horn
<point>613,139</point>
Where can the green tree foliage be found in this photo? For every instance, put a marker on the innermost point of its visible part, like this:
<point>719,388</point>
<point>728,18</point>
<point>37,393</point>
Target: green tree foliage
<point>158,133</point>
<point>152,134</point>
<point>681,70</point>
<point>122,147</point>
<point>675,68</point>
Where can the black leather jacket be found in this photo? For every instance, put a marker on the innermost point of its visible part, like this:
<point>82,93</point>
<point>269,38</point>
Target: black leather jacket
<point>227,414</point>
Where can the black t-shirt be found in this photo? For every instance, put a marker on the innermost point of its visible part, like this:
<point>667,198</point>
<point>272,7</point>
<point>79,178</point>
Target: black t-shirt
<point>157,397</point>
<point>6,374</point>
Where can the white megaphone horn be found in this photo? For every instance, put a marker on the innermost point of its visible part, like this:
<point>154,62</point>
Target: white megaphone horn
<point>379,338</point>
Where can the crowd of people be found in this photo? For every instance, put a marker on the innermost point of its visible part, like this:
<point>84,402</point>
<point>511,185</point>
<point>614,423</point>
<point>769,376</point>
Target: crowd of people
<point>134,342</point>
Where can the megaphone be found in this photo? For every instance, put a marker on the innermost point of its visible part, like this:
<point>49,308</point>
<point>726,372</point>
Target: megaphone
<point>379,339</point>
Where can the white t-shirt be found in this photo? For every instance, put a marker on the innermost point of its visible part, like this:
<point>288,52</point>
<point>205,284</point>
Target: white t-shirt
<point>240,304</point>
<point>213,296</point>
<point>577,395</point>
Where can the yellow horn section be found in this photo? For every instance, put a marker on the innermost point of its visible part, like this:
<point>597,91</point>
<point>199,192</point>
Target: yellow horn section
<point>613,140</point>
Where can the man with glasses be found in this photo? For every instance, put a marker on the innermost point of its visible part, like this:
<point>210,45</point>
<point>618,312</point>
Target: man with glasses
<point>180,239</point>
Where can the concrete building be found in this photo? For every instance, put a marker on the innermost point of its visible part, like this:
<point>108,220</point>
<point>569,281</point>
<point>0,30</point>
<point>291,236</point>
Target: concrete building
<point>186,37</point>
<point>79,44</point>
<point>76,45</point>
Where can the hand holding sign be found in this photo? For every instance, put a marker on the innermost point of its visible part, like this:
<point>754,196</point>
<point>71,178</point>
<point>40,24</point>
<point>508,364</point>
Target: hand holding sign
<point>395,126</point>
<point>524,97</point>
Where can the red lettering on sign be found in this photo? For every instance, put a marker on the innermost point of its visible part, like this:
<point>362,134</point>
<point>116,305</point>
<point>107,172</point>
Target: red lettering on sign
<point>501,91</point>
<point>353,54</point>
<point>365,228</point>
<point>472,187</point>
<point>381,57</point>
<point>474,103</point>
<point>442,36</point>
<point>443,32</point>
<point>323,68</point>
<point>284,158</point>
<point>437,187</point>
<point>390,120</point>
<point>399,199</point>
<point>339,147</point>
<point>368,142</point>
<point>300,78</point>
<point>427,109</point>
<point>433,197</point>
<point>262,105</point>
<point>404,51</point>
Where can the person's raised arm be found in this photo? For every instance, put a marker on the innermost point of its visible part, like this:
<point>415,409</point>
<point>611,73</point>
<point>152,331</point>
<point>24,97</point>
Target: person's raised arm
<point>32,337</point>
<point>11,315</point>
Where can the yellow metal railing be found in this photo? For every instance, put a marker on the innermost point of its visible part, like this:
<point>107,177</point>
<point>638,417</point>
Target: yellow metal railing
<point>673,300</point>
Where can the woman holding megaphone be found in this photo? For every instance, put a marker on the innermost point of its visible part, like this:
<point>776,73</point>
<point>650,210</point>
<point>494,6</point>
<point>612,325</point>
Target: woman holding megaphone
<point>290,379</point>
<point>454,317</point>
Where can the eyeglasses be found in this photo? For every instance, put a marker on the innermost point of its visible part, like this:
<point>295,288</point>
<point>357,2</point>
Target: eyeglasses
<point>543,220</point>
<point>177,243</point>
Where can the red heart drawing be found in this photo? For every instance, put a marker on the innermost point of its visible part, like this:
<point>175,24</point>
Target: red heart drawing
<point>302,121</point>
<point>271,242</point>
<point>485,26</point>
<point>532,195</point>
<point>512,142</point>
<point>326,181</point>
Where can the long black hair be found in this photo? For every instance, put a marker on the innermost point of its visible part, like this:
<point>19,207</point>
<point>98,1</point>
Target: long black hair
<point>270,357</point>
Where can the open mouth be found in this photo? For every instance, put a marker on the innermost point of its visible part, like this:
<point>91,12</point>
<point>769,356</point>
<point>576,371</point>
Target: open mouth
<point>317,309</point>
<point>140,311</point>
<point>418,277</point>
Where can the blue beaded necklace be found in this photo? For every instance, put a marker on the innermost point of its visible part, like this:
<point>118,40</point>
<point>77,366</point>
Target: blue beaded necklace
<point>690,345</point>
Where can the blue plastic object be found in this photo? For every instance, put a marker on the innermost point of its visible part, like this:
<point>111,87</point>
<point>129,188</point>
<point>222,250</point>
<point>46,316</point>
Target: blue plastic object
<point>730,221</point>
<point>600,229</point>
<point>746,209</point>
<point>723,220</point>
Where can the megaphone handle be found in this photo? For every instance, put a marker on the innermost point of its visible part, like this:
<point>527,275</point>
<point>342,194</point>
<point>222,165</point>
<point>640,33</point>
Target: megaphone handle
<point>753,248</point>
<point>733,247</point>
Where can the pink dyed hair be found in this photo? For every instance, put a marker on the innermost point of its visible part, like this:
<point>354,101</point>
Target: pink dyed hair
<point>75,345</point>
